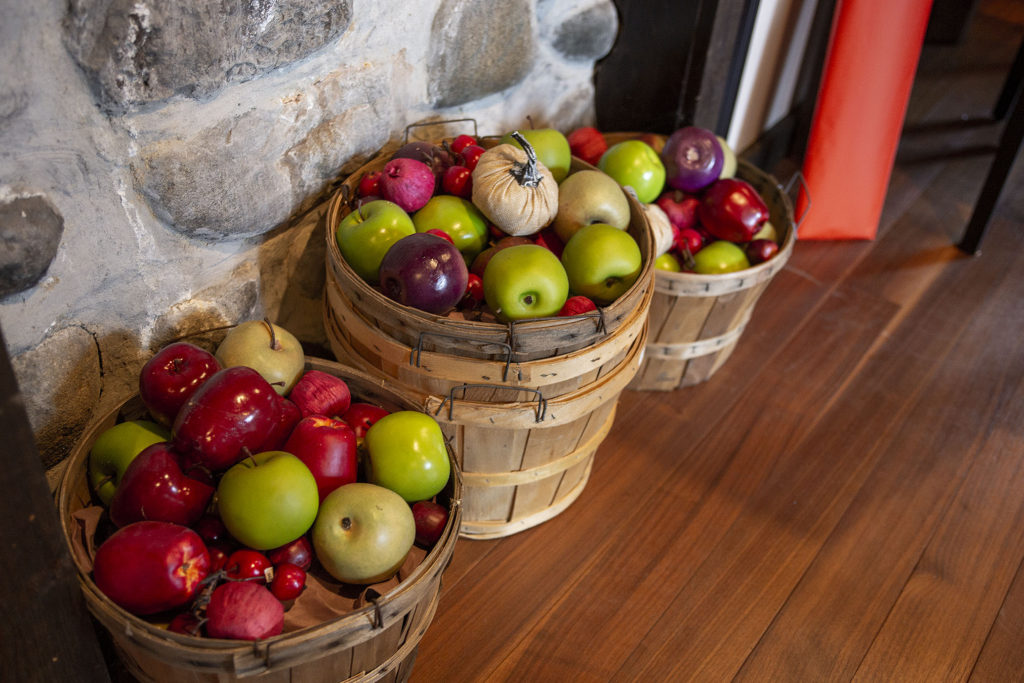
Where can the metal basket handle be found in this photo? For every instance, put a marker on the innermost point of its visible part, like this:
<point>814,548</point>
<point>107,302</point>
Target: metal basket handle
<point>442,122</point>
<point>414,357</point>
<point>540,413</point>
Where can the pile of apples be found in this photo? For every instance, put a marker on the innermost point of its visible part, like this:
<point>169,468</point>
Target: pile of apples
<point>439,229</point>
<point>705,220</point>
<point>248,474</point>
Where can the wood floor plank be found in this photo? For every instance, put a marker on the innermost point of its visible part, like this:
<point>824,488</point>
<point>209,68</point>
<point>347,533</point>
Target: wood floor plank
<point>833,615</point>
<point>1002,658</point>
<point>711,626</point>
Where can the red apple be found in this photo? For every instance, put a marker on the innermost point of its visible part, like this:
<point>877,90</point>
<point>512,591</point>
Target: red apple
<point>430,518</point>
<point>212,530</point>
<point>243,610</point>
<point>461,142</point>
<point>369,184</point>
<point>761,250</point>
<point>361,416</point>
<point>470,155</point>
<point>474,295</point>
<point>219,555</point>
<point>328,448</point>
<point>187,623</point>
<point>288,581</point>
<point>233,411</point>
<point>576,305</point>
<point>689,240</point>
<point>172,375</point>
<point>441,233</point>
<point>458,180</point>
<point>155,487</point>
<point>731,209</point>
<point>289,416</point>
<point>680,208</point>
<point>550,240</point>
<point>149,567</point>
<point>246,563</point>
<point>321,393</point>
<point>588,144</point>
<point>299,552</point>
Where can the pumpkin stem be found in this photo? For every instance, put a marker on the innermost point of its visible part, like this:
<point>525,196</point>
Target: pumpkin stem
<point>526,174</point>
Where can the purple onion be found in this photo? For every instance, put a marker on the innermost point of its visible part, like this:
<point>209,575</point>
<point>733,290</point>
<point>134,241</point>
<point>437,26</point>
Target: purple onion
<point>693,159</point>
<point>424,271</point>
<point>408,183</point>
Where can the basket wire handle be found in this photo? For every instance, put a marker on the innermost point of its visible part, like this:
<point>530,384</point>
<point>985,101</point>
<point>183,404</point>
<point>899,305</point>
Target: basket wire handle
<point>798,177</point>
<point>378,618</point>
<point>414,357</point>
<point>440,123</point>
<point>542,403</point>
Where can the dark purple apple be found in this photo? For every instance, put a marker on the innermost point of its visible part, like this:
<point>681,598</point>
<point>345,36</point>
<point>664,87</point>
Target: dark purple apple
<point>328,447</point>
<point>425,272</point>
<point>171,376</point>
<point>761,250</point>
<point>693,159</point>
<point>731,209</point>
<point>149,567</point>
<point>155,487</point>
<point>235,410</point>
<point>243,610</point>
<point>408,183</point>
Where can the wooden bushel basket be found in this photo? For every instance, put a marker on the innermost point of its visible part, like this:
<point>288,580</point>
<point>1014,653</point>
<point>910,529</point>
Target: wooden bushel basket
<point>525,339</point>
<point>522,461</point>
<point>374,643</point>
<point>696,320</point>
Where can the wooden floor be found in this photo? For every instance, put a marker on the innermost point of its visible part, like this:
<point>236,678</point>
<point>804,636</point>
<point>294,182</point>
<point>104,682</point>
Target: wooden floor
<point>843,500</point>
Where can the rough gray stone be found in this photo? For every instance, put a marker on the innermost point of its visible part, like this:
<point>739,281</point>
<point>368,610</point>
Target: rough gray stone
<point>140,51</point>
<point>61,384</point>
<point>480,47</point>
<point>582,33</point>
<point>29,237</point>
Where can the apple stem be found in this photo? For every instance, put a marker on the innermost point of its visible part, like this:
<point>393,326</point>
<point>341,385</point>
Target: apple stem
<point>526,174</point>
<point>247,454</point>
<point>529,119</point>
<point>107,479</point>
<point>274,344</point>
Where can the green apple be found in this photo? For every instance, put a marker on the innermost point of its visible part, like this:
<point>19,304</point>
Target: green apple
<point>366,234</point>
<point>767,232</point>
<point>269,349</point>
<point>635,164</point>
<point>602,262</point>
<point>589,196</point>
<point>551,146</point>
<point>720,257</point>
<point>363,533</point>
<point>407,453</point>
<point>115,448</point>
<point>459,219</point>
<point>669,262</point>
<point>267,499</point>
<point>525,281</point>
<point>729,169</point>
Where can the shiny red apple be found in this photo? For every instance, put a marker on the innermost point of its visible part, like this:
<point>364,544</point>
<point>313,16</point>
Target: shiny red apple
<point>299,552</point>
<point>731,209</point>
<point>289,416</point>
<point>577,305</point>
<point>246,563</point>
<point>288,581</point>
<point>761,250</point>
<point>431,518</point>
<point>360,416</point>
<point>149,567</point>
<point>155,487</point>
<point>172,375</point>
<point>233,411</point>
<point>328,448</point>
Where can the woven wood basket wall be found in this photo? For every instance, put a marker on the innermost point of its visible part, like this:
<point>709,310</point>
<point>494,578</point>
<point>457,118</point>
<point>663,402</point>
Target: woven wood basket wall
<point>375,643</point>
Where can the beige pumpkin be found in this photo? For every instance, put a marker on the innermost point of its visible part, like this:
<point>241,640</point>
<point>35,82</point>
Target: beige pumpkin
<point>514,189</point>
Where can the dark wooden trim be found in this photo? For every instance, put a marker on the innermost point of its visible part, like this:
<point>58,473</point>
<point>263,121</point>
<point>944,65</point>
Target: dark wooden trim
<point>46,633</point>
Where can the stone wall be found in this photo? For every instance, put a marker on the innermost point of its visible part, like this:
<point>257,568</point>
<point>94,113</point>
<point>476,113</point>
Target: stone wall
<point>164,167</point>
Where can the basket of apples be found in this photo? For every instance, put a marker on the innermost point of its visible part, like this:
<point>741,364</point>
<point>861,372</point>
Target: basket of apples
<point>253,511</point>
<point>513,303</point>
<point>722,229</point>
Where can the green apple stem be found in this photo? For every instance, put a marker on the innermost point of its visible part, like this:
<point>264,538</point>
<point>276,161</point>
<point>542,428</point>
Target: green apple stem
<point>526,174</point>
<point>274,343</point>
<point>247,455</point>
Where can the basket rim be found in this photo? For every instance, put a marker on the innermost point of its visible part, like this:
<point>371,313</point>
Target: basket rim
<point>333,215</point>
<point>434,561</point>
